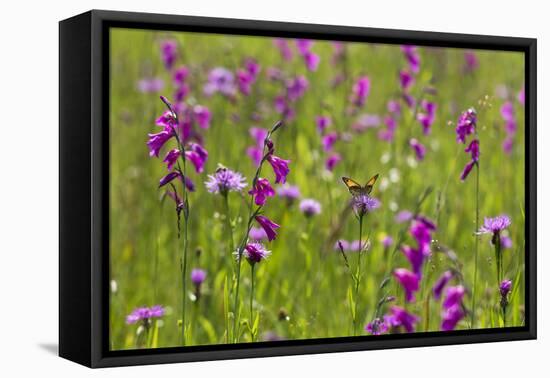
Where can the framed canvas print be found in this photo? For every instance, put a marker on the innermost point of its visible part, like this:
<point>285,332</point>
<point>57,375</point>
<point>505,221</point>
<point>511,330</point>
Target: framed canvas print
<point>233,188</point>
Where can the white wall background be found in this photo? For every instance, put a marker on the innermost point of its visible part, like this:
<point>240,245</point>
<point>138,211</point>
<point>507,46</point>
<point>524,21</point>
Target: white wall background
<point>29,186</point>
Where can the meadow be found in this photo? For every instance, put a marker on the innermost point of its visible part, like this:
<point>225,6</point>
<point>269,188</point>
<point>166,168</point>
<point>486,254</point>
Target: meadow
<point>436,244</point>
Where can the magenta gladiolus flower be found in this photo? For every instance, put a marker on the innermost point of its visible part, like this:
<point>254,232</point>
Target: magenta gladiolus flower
<point>411,54</point>
<point>427,117</point>
<point>256,154</point>
<point>152,85</point>
<point>296,87</point>
<point>169,53</point>
<point>181,92</point>
<point>257,234</point>
<point>473,149</point>
<point>332,160</point>
<point>225,180</point>
<point>394,107</point>
<point>262,189</point>
<point>322,123</point>
<point>329,140</point>
<point>399,317</point>
<point>166,120</point>
<point>454,296</point>
<point>197,155</point>
<point>145,314</point>
<point>312,61</point>
<point>303,45</point>
<point>360,91</point>
<point>280,168</point>
<point>180,75</point>
<point>258,134</point>
<point>284,48</point>
<point>466,125</point>
<point>169,178</point>
<point>451,316</point>
<point>198,276</point>
<point>471,63</point>
<point>171,158</point>
<point>310,207</point>
<point>202,115</point>
<point>157,141</point>
<point>521,95</point>
<point>406,80</point>
<point>440,284</point>
<point>409,281</point>
<point>220,80</point>
<point>268,226</point>
<point>418,148</point>
<point>377,327</point>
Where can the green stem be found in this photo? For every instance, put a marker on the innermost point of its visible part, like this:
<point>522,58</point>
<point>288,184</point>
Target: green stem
<point>252,331</point>
<point>228,223</point>
<point>358,275</point>
<point>472,316</point>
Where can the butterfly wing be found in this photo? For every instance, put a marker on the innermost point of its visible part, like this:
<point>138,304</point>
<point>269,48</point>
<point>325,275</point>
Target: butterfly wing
<point>353,186</point>
<point>369,185</point>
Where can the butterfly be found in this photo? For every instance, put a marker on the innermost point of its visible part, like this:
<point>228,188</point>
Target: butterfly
<point>356,189</point>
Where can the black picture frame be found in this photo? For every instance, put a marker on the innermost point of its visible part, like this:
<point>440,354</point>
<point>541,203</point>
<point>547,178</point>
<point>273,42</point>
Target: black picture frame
<point>83,181</point>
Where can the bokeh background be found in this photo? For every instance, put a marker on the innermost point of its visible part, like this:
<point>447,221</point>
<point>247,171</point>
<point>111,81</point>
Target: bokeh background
<point>302,288</point>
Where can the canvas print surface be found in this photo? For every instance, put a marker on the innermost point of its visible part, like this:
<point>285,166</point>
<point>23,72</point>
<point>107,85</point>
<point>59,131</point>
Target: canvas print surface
<point>267,189</point>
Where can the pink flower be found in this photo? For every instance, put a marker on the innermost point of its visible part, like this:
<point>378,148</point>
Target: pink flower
<point>409,281</point>
<point>418,148</point>
<point>262,189</point>
<point>268,225</point>
<point>280,168</point>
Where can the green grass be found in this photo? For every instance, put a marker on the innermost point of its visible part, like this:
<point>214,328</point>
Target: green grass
<point>304,279</point>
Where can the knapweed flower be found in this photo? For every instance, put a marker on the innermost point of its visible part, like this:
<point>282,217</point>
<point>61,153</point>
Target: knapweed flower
<point>268,225</point>
<point>329,140</point>
<point>409,281</point>
<point>360,91</point>
<point>394,107</point>
<point>322,123</point>
<point>505,242</point>
<point>440,284</point>
<point>310,207</point>
<point>288,192</point>
<point>225,180</point>
<point>220,80</point>
<point>332,160</point>
<point>418,148</point>
<point>466,125</point>
<point>261,190</point>
<point>364,204</point>
<point>255,253</point>
<point>150,85</point>
<point>399,317</point>
<point>495,226</point>
<point>145,314</point>
<point>198,276</point>
<point>427,116</point>
<point>365,122</point>
<point>411,54</point>
<point>404,216</point>
<point>387,241</point>
<point>197,155</point>
<point>280,168</point>
<point>342,245</point>
<point>377,327</point>
<point>257,234</point>
<point>169,53</point>
<point>505,287</point>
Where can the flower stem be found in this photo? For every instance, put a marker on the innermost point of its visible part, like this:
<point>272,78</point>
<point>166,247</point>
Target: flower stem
<point>358,275</point>
<point>473,311</point>
<point>252,330</point>
<point>228,224</point>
